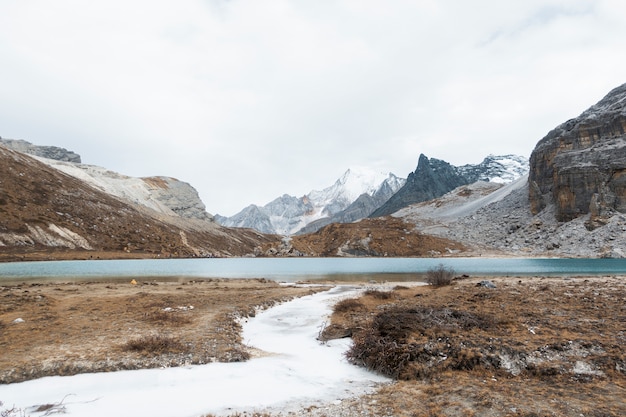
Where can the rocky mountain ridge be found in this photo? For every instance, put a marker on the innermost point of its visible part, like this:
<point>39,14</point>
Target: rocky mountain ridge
<point>165,195</point>
<point>363,193</point>
<point>434,177</point>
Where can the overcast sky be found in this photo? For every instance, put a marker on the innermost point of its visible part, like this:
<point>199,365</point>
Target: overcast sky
<point>248,100</point>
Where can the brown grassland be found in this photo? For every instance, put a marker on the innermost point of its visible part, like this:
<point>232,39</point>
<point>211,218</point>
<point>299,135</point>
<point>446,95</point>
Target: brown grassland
<point>529,347</point>
<point>77,327</point>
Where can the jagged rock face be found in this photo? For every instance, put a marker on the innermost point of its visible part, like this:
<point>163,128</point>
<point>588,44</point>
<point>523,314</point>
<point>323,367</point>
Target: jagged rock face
<point>50,152</point>
<point>581,165</point>
<point>432,178</point>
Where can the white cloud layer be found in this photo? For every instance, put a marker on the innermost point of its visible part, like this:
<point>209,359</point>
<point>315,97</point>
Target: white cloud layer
<point>248,100</point>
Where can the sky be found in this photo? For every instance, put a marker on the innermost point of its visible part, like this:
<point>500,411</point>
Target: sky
<point>250,100</point>
<point>299,372</point>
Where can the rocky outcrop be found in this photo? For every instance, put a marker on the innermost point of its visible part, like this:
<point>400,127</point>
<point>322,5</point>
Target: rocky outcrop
<point>50,152</point>
<point>178,196</point>
<point>432,178</point>
<point>580,166</point>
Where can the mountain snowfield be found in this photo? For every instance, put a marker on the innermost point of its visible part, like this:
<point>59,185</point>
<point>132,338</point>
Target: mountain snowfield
<point>286,215</point>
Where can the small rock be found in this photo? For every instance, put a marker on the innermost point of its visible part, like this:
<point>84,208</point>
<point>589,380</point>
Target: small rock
<point>486,284</point>
<point>18,320</point>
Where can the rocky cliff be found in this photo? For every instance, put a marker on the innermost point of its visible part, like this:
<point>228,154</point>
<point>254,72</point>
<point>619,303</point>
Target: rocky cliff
<point>580,166</point>
<point>50,152</point>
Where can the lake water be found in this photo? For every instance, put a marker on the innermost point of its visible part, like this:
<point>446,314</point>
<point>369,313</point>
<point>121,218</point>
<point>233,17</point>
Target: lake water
<point>299,269</point>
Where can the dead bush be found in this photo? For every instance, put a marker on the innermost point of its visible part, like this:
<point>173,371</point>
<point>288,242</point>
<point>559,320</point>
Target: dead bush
<point>412,343</point>
<point>378,294</point>
<point>349,304</point>
<point>439,276</point>
<point>156,344</point>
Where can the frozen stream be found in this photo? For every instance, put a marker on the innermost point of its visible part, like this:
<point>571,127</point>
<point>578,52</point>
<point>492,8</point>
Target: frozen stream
<point>299,371</point>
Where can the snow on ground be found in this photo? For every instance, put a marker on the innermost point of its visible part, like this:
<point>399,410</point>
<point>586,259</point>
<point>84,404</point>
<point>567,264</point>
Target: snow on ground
<point>299,371</point>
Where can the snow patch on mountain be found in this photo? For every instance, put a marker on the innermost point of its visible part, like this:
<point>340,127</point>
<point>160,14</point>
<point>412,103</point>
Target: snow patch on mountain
<point>502,169</point>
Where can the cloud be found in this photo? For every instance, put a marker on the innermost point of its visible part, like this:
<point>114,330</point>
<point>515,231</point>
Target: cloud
<point>250,100</point>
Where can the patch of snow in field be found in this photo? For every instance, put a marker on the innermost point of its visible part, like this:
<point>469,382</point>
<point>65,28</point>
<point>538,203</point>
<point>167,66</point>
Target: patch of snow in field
<point>299,371</point>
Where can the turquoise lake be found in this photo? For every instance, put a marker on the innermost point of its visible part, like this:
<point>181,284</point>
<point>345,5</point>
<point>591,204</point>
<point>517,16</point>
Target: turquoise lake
<point>298,269</point>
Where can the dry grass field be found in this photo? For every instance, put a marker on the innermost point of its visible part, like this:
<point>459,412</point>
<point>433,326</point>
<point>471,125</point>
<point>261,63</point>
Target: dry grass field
<point>77,327</point>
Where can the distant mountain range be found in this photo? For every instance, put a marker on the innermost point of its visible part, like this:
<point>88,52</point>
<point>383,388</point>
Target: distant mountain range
<point>362,192</point>
<point>286,215</point>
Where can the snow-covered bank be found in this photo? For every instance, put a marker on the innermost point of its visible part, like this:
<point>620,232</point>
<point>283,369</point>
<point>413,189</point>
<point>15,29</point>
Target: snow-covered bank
<point>299,371</point>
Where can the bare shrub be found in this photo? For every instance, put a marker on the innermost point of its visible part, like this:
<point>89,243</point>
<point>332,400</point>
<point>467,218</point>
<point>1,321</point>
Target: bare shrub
<point>400,287</point>
<point>378,294</point>
<point>409,343</point>
<point>349,304</point>
<point>156,344</point>
<point>439,276</point>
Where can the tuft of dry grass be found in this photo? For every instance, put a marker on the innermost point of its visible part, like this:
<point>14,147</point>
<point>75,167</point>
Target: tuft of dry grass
<point>378,294</point>
<point>349,304</point>
<point>155,344</point>
<point>166,318</point>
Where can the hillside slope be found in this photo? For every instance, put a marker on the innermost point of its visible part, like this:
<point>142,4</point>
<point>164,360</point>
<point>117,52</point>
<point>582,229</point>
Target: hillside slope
<point>48,214</point>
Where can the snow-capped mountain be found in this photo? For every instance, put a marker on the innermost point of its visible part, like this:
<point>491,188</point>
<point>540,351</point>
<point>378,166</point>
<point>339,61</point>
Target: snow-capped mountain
<point>287,214</point>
